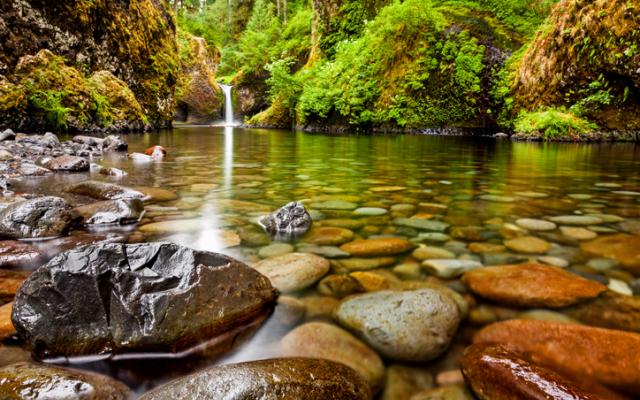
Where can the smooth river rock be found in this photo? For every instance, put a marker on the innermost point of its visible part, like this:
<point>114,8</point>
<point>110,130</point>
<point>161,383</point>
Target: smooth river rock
<point>449,269</point>
<point>606,356</point>
<point>531,286</point>
<point>10,282</point>
<point>326,341</point>
<point>294,271</point>
<point>576,220</point>
<point>68,163</point>
<point>291,219</point>
<point>41,217</point>
<point>621,247</point>
<point>495,373</point>
<point>377,247</point>
<point>139,297</point>
<point>528,245</point>
<point>535,224</point>
<point>282,379</point>
<point>415,325</point>
<point>422,224</point>
<point>122,211</point>
<point>328,236</point>
<point>28,380</point>
<point>104,191</point>
<point>610,310</point>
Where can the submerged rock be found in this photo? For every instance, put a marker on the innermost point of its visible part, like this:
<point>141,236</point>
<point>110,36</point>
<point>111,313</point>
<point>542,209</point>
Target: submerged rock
<point>283,379</point>
<point>14,253</point>
<point>68,163</point>
<point>622,248</point>
<point>27,380</point>
<point>292,219</point>
<point>104,191</point>
<point>531,285</point>
<point>377,247</point>
<point>606,356</point>
<point>111,211</point>
<point>36,218</point>
<point>329,342</point>
<point>495,373</point>
<point>413,325</point>
<point>10,282</point>
<point>294,271</point>
<point>118,298</point>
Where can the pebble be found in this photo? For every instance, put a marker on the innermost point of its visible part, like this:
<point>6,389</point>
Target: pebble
<point>622,248</point>
<point>429,252</point>
<point>576,220</point>
<point>535,224</point>
<point>377,247</point>
<point>369,211</point>
<point>294,271</point>
<point>449,269</point>
<point>361,264</point>
<point>578,233</point>
<point>497,198</point>
<point>618,286</point>
<point>555,261</point>
<point>328,236</point>
<point>422,224</point>
<point>324,251</point>
<point>528,245</point>
<point>335,205</point>
<point>275,249</point>
<point>401,382</point>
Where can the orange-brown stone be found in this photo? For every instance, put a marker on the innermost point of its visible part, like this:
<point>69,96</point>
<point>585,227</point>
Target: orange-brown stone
<point>606,356</point>
<point>531,285</point>
<point>377,247</point>
<point>622,247</point>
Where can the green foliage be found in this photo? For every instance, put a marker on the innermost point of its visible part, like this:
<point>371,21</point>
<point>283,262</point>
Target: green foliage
<point>256,44</point>
<point>282,83</point>
<point>50,102</point>
<point>552,124</point>
<point>100,107</point>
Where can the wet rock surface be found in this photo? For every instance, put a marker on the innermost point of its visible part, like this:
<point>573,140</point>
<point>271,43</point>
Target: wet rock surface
<point>41,381</point>
<point>16,254</point>
<point>290,220</point>
<point>494,373</point>
<point>413,325</point>
<point>377,247</point>
<point>68,163</point>
<point>531,285</point>
<point>36,218</point>
<point>10,282</point>
<point>147,297</point>
<point>606,356</point>
<point>285,378</point>
<point>293,272</point>
<point>122,211</point>
<point>104,191</point>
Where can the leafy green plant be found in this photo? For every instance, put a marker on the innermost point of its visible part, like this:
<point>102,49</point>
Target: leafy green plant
<point>51,103</point>
<point>552,124</point>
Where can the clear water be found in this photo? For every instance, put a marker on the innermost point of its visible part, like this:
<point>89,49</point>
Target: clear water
<point>227,177</point>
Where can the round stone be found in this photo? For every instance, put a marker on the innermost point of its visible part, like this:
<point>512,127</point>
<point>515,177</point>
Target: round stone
<point>576,220</point>
<point>449,269</point>
<point>369,211</point>
<point>578,233</point>
<point>328,236</point>
<point>535,224</point>
<point>275,249</point>
<point>377,247</point>
<point>294,271</point>
<point>413,325</point>
<point>429,252</point>
<point>528,245</point>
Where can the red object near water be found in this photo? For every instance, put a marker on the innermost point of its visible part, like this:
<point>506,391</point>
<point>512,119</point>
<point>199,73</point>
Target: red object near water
<point>151,149</point>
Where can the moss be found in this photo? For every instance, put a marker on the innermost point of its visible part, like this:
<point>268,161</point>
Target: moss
<point>552,124</point>
<point>278,115</point>
<point>113,102</point>
<point>585,57</point>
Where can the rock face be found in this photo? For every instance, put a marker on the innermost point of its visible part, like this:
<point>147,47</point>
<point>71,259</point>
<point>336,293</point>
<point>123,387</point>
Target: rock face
<point>531,285</point>
<point>494,373</point>
<point>290,220</point>
<point>326,341</point>
<point>285,379</point>
<point>413,325</point>
<point>622,247</point>
<point>294,271</point>
<point>142,297</point>
<point>111,212</point>
<point>36,218</point>
<point>137,48</point>
<point>43,381</point>
<point>606,356</point>
<point>198,94</point>
<point>104,191</point>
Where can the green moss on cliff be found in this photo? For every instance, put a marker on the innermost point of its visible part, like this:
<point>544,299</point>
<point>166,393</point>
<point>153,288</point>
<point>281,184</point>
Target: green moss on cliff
<point>552,124</point>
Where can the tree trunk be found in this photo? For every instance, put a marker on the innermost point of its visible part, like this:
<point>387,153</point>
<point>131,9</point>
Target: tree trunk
<point>284,12</point>
<point>229,11</point>
<point>278,8</point>
<point>175,6</point>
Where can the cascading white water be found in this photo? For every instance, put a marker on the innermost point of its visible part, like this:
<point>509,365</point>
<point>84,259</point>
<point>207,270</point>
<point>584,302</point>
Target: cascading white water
<point>228,104</point>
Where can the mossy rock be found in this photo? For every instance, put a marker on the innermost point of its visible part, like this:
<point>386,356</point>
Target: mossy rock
<point>198,95</point>
<point>585,58</point>
<point>115,103</point>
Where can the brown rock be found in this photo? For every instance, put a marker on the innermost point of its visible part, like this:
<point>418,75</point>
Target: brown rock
<point>401,382</point>
<point>483,247</point>
<point>18,254</point>
<point>370,281</point>
<point>10,282</point>
<point>452,377</point>
<point>328,236</point>
<point>610,310</point>
<point>452,392</point>
<point>606,356</point>
<point>494,373</point>
<point>284,378</point>
<point>531,285</point>
<point>326,341</point>
<point>377,247</point>
<point>528,245</point>
<point>68,163</point>
<point>339,285</point>
<point>6,326</point>
<point>319,306</point>
<point>622,247</point>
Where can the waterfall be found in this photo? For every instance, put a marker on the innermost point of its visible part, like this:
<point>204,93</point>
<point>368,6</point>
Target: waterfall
<point>228,104</point>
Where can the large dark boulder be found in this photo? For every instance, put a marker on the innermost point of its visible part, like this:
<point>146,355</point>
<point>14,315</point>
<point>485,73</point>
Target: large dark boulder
<point>35,218</point>
<point>290,220</point>
<point>283,379</point>
<point>27,380</point>
<point>152,297</point>
<point>121,211</point>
